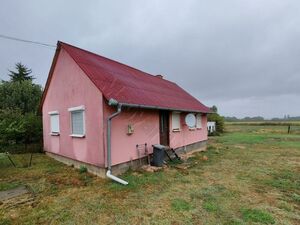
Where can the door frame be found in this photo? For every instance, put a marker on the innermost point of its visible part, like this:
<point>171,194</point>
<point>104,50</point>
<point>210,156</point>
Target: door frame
<point>164,127</point>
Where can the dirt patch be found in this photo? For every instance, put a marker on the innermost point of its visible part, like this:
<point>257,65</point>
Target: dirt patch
<point>12,193</point>
<point>186,156</point>
<point>151,169</point>
<point>16,196</point>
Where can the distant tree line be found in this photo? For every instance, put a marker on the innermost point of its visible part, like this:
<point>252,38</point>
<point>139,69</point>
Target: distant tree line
<point>287,118</point>
<point>20,123</point>
<point>260,118</point>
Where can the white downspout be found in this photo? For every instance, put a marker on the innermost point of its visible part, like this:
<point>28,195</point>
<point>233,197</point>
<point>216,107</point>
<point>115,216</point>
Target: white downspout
<point>117,179</point>
<point>108,173</point>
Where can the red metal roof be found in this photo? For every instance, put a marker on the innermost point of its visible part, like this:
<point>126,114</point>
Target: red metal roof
<point>128,85</point>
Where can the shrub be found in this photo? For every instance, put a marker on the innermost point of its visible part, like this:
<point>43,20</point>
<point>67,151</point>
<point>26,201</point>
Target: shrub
<point>215,117</point>
<point>82,169</point>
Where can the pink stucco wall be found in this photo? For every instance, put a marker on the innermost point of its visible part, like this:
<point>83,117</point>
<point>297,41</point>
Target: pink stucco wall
<point>146,130</point>
<point>187,136</point>
<point>70,87</point>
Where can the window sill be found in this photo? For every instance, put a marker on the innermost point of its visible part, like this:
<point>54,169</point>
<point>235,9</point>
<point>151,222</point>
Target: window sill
<point>176,130</point>
<point>192,129</point>
<point>77,135</point>
<point>199,128</point>
<point>54,134</point>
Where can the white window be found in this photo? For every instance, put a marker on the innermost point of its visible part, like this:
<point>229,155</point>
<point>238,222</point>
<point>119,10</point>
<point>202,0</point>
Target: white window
<point>54,122</point>
<point>175,121</point>
<point>77,121</point>
<point>199,121</point>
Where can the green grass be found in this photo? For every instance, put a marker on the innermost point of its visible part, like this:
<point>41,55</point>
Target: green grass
<point>181,205</point>
<point>251,177</point>
<point>264,123</point>
<point>211,206</point>
<point>258,216</point>
<point>7,186</point>
<point>296,197</point>
<point>138,180</point>
<point>285,180</point>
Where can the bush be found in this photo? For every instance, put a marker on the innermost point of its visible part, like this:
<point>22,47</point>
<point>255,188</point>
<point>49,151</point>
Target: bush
<point>11,127</point>
<point>219,122</point>
<point>19,101</point>
<point>17,129</point>
<point>82,169</point>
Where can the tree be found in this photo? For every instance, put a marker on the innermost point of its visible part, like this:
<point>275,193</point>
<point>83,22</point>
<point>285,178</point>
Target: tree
<point>214,109</point>
<point>215,117</point>
<point>11,126</point>
<point>23,73</point>
<point>19,102</point>
<point>23,95</point>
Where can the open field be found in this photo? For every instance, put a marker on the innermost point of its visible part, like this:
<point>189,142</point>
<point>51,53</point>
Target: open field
<point>252,176</point>
<point>266,123</point>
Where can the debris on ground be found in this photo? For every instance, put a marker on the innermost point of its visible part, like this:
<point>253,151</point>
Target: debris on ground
<point>205,158</point>
<point>186,156</point>
<point>240,146</point>
<point>151,169</point>
<point>17,196</point>
<point>182,166</point>
<point>190,154</point>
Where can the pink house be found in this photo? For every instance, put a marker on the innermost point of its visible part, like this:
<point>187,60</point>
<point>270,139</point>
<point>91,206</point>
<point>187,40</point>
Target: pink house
<point>96,111</point>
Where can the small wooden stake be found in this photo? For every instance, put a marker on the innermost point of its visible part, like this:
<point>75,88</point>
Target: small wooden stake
<point>30,160</point>
<point>12,162</point>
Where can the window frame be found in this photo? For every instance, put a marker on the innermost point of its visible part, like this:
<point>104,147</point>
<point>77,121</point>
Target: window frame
<point>52,132</point>
<point>176,129</point>
<point>199,116</point>
<point>77,109</point>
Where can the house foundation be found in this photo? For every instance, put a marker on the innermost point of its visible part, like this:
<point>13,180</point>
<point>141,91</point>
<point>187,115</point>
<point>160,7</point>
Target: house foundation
<point>123,167</point>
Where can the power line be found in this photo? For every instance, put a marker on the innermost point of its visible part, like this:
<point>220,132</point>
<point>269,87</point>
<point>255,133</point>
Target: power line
<point>26,41</point>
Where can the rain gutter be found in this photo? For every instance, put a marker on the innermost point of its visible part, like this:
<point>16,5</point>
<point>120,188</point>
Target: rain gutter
<point>112,102</point>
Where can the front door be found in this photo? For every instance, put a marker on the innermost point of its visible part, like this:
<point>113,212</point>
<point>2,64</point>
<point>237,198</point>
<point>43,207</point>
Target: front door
<point>164,127</point>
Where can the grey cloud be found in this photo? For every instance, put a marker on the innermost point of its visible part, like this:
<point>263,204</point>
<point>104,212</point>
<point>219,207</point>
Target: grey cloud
<point>240,55</point>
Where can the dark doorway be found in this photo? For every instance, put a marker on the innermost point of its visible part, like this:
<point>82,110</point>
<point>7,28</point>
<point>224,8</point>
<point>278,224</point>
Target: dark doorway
<point>164,127</point>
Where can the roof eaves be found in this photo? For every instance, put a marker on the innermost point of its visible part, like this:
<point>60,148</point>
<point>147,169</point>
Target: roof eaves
<point>161,108</point>
<point>55,57</point>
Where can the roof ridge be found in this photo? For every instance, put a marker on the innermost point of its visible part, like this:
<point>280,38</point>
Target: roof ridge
<point>150,91</point>
<point>106,58</point>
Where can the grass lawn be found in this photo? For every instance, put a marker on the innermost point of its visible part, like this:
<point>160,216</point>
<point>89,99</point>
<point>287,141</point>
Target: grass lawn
<point>252,176</point>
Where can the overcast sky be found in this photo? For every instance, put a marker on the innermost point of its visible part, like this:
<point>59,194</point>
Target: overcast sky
<point>243,56</point>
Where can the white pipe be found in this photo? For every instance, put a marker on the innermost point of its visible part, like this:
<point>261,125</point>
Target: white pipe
<point>108,173</point>
<point>117,179</point>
